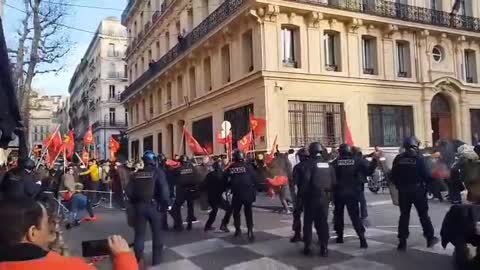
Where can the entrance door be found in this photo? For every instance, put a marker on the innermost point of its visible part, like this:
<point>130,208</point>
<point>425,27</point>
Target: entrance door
<point>441,119</point>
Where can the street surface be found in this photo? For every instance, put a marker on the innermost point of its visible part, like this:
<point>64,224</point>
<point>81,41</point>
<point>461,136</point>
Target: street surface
<point>272,250</point>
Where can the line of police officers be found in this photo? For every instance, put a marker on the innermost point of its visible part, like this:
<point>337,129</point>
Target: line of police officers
<point>318,182</point>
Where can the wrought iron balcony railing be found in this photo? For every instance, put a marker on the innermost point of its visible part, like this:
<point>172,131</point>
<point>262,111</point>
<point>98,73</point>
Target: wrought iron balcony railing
<point>380,8</point>
<point>109,124</point>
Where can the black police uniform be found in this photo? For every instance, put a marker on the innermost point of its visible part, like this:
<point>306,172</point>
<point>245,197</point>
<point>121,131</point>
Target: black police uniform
<point>319,179</point>
<point>410,175</point>
<point>242,185</point>
<point>348,189</point>
<point>171,185</point>
<point>186,190</point>
<point>149,194</point>
<point>19,184</point>
<point>299,179</point>
<point>215,185</point>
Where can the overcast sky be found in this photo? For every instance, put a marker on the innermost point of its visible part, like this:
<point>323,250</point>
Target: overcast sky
<point>83,18</point>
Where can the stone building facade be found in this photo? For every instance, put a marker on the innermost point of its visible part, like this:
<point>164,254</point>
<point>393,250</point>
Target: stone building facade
<point>96,86</point>
<point>389,69</point>
<point>43,117</point>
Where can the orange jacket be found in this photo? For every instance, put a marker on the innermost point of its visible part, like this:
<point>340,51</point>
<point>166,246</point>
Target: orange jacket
<point>53,261</point>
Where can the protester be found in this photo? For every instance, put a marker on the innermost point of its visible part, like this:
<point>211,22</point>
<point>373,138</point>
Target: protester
<point>25,236</point>
<point>94,181</point>
<point>20,182</point>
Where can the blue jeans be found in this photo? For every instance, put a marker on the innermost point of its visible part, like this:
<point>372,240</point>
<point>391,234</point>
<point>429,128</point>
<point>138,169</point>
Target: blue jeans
<point>78,203</point>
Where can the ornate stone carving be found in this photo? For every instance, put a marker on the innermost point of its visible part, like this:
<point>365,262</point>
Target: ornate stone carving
<point>355,24</point>
<point>314,19</point>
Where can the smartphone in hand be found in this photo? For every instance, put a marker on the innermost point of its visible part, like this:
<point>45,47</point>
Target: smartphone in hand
<point>95,248</point>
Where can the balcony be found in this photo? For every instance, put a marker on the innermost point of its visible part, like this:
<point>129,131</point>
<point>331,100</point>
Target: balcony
<point>404,12</point>
<point>116,75</point>
<point>155,16</point>
<point>109,124</point>
<point>115,99</point>
<point>216,18</point>
<point>113,54</point>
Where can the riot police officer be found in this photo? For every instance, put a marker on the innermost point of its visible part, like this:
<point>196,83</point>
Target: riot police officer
<point>241,179</point>
<point>20,182</point>
<point>161,164</point>
<point>349,171</point>
<point>215,185</point>
<point>148,194</point>
<point>319,178</point>
<point>410,175</point>
<point>186,190</point>
<point>298,179</point>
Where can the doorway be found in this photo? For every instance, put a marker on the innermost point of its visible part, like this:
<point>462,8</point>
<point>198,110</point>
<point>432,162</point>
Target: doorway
<point>441,118</point>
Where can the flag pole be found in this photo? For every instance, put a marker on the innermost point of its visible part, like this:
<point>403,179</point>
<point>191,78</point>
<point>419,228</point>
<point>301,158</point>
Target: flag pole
<point>182,140</point>
<point>45,149</point>
<point>81,160</point>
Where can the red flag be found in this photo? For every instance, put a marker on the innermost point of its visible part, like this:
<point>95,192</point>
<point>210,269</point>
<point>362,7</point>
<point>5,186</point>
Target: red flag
<point>346,131</point>
<point>85,155</point>
<point>54,147</point>
<point>195,147</point>
<point>69,144</point>
<point>222,140</point>
<point>272,151</point>
<point>257,125</point>
<point>172,163</point>
<point>245,143</point>
<point>88,138</point>
<point>114,144</point>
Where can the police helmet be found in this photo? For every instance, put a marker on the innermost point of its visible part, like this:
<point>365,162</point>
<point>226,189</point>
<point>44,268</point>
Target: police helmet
<point>184,159</point>
<point>345,150</point>
<point>411,143</point>
<point>238,156</point>
<point>476,149</point>
<point>217,165</point>
<point>149,158</point>
<point>28,164</point>
<point>302,152</point>
<point>316,149</point>
<point>161,159</point>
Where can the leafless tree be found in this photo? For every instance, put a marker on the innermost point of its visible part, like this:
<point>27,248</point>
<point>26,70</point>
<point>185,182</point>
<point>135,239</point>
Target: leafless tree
<point>43,42</point>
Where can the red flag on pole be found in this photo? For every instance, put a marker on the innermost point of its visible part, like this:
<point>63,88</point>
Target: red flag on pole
<point>88,138</point>
<point>114,147</point>
<point>69,144</point>
<point>272,151</point>
<point>54,146</point>
<point>346,130</point>
<point>257,125</point>
<point>226,140</point>
<point>245,143</point>
<point>195,147</point>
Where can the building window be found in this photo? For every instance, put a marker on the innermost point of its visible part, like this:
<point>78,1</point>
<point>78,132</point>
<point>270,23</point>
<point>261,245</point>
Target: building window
<point>193,83</point>
<point>160,143</point>
<point>125,71</point>
<point>389,125</point>
<point>332,50</point>
<point>158,49</point>
<point>239,118</point>
<point>136,71</point>
<point>111,91</point>
<point>111,50</point>
<point>142,62</point>
<point>131,76</point>
<point>167,41</point>
<point>160,100</point>
<point>369,51</point>
<point>290,46</point>
<point>135,146</point>
<point>111,114</point>
<point>150,57</point>
<point>148,143</point>
<point>225,64</point>
<point>113,71</point>
<point>207,72</point>
<point>202,130</point>
<point>403,55</point>
<point>180,99</point>
<point>190,20</point>
<point>247,44</point>
<point>150,106</point>
<point>315,122</point>
<point>126,116</point>
<point>475,124</point>
<point>470,66</point>
<point>169,96</point>
<point>144,110</point>
<point>135,29</point>
<point>437,54</point>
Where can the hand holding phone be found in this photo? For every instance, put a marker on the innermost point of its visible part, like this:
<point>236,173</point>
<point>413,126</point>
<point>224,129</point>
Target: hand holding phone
<point>118,244</point>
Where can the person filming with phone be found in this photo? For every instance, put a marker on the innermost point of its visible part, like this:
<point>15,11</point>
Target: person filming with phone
<point>25,235</point>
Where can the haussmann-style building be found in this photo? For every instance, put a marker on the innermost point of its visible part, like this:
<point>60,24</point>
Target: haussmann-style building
<point>389,68</point>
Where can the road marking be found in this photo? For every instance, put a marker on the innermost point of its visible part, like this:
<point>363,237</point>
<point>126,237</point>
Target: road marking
<point>385,202</point>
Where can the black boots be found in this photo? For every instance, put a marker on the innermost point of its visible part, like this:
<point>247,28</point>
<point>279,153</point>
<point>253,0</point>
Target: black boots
<point>224,228</point>
<point>307,251</point>
<point>432,242</point>
<point>402,245</point>
<point>189,226</point>
<point>296,238</point>
<point>363,242</point>
<point>339,239</point>
<point>238,232</point>
<point>324,250</point>
<point>251,237</point>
